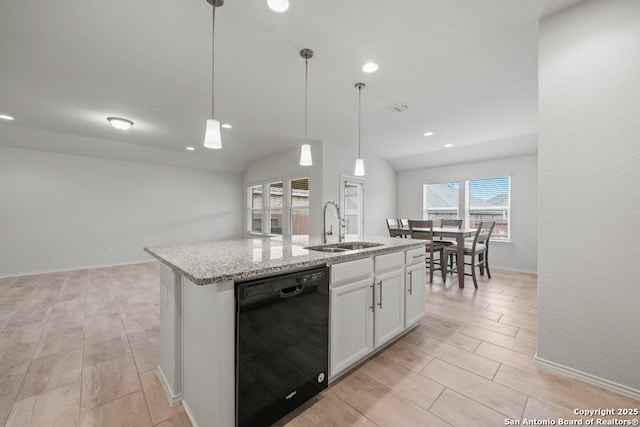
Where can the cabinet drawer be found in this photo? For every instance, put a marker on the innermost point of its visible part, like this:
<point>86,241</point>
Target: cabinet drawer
<point>351,270</point>
<point>414,256</point>
<point>389,261</point>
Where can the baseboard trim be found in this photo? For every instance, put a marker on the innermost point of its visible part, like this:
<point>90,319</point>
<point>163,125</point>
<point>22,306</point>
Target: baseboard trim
<point>64,270</point>
<point>187,410</point>
<point>515,270</point>
<point>172,397</point>
<point>588,378</point>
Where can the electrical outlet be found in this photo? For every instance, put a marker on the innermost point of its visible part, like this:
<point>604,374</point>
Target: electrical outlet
<point>107,249</point>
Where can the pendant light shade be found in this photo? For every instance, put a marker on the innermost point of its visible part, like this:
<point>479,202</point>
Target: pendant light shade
<point>305,155</point>
<point>212,136</point>
<point>359,169</point>
<point>305,150</point>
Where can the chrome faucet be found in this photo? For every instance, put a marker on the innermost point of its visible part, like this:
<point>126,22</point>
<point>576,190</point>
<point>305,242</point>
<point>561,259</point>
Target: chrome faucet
<point>326,233</point>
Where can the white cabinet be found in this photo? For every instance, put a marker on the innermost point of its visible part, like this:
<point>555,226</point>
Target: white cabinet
<point>389,306</point>
<point>414,286</point>
<point>372,302</point>
<point>351,320</point>
<point>414,293</point>
<point>351,324</point>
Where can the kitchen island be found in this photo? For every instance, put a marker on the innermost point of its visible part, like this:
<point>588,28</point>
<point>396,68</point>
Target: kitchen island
<point>198,308</point>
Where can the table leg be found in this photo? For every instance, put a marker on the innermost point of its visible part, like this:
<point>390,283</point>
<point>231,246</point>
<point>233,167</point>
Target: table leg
<point>460,260</point>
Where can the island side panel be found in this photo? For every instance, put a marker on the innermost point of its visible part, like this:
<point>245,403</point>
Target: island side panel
<point>209,353</point>
<point>171,333</point>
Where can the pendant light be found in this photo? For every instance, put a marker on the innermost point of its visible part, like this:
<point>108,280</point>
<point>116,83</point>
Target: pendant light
<point>305,151</point>
<point>212,137</point>
<point>359,171</point>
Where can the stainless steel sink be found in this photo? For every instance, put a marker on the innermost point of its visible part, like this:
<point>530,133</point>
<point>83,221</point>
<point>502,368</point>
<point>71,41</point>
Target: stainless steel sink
<point>343,247</point>
<point>350,246</point>
<point>322,249</point>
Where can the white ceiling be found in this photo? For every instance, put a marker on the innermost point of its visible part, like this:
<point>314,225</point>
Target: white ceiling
<point>466,68</point>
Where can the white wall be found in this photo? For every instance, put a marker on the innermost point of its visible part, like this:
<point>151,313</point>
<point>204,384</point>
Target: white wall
<point>60,211</point>
<point>379,186</point>
<point>589,274</point>
<point>286,165</point>
<point>522,252</point>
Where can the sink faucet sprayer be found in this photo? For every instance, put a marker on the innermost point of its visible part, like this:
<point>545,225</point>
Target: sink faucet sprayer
<point>326,233</point>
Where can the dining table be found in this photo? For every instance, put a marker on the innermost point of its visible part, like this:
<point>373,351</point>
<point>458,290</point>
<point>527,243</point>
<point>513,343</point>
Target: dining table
<point>458,233</point>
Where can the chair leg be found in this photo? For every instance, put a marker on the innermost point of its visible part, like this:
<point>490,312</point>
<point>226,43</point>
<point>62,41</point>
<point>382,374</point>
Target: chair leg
<point>473,271</point>
<point>431,268</point>
<point>481,263</point>
<point>486,264</point>
<point>444,272</point>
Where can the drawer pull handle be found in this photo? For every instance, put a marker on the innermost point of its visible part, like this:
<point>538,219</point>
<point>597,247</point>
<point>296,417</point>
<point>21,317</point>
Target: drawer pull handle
<point>418,256</point>
<point>373,297</point>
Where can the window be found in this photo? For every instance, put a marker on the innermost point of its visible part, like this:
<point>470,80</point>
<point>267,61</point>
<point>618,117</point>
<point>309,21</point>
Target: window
<point>276,206</point>
<point>489,199</point>
<point>299,202</point>
<point>352,196</point>
<point>441,200</point>
<point>279,207</point>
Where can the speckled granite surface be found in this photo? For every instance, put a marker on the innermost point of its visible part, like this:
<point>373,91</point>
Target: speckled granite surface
<point>218,261</point>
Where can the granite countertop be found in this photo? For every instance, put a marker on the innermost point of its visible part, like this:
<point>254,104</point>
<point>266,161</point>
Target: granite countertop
<point>219,261</point>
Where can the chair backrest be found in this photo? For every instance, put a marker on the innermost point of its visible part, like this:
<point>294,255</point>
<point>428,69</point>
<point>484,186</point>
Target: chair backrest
<point>404,223</point>
<point>483,234</point>
<point>393,226</point>
<point>426,226</point>
<point>451,223</point>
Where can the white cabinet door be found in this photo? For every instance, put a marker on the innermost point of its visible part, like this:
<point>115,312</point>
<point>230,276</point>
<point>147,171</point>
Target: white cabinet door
<point>414,293</point>
<point>351,324</point>
<point>389,306</point>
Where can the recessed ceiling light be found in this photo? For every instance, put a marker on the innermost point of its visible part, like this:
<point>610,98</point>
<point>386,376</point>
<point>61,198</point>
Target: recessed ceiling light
<point>370,67</point>
<point>448,145</point>
<point>190,148</point>
<point>278,5</point>
<point>428,133</point>
<point>119,123</point>
<point>226,126</point>
<point>5,117</point>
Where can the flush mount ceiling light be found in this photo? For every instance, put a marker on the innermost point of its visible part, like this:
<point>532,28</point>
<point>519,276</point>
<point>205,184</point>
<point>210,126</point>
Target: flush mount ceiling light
<point>120,123</point>
<point>305,150</point>
<point>5,117</point>
<point>212,137</point>
<point>190,148</point>
<point>448,145</point>
<point>226,126</point>
<point>359,170</point>
<point>278,5</point>
<point>429,133</point>
<point>370,67</point>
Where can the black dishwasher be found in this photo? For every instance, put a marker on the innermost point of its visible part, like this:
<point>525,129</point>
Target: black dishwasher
<point>282,344</point>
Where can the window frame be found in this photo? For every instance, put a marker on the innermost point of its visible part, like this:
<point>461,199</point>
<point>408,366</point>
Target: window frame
<point>287,208</point>
<point>463,201</point>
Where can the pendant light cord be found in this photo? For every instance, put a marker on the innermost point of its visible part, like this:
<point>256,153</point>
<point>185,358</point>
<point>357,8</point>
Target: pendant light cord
<point>213,61</point>
<point>306,80</point>
<point>359,117</point>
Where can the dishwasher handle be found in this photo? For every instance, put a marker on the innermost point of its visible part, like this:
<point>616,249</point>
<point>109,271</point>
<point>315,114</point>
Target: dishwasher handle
<point>291,291</point>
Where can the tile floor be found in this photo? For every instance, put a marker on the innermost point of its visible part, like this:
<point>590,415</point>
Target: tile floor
<point>80,348</point>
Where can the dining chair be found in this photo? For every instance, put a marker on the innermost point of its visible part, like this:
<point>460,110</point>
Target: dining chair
<point>393,225</point>
<point>404,223</point>
<point>449,223</point>
<point>478,251</point>
<point>423,229</point>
